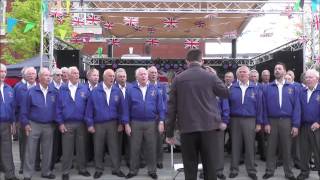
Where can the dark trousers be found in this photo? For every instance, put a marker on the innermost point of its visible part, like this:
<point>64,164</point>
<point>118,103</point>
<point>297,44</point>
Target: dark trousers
<point>309,143</point>
<point>57,148</point>
<point>280,134</point>
<point>193,144</point>
<point>261,139</point>
<point>220,151</point>
<point>7,165</point>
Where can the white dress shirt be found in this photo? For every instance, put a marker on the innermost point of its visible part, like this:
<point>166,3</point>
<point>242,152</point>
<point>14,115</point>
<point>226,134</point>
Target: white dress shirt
<point>243,87</point>
<point>280,86</point>
<point>2,92</point>
<point>108,92</point>
<point>45,92</point>
<point>73,90</point>
<point>310,91</point>
<point>143,90</point>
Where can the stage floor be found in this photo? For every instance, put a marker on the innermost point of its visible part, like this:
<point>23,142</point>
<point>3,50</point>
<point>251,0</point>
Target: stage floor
<point>167,173</point>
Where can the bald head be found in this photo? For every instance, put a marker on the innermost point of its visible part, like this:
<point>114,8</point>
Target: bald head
<point>108,77</point>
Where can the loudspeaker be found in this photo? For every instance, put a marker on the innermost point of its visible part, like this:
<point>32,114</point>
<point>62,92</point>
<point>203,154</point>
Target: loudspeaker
<point>67,58</point>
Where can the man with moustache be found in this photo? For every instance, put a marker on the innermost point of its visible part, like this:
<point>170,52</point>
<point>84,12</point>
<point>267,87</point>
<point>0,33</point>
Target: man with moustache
<point>282,119</point>
<point>103,118</point>
<point>71,105</point>
<point>38,115</point>
<point>7,126</point>
<point>144,116</point>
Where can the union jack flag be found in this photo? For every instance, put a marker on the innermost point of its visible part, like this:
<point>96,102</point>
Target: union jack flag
<point>153,42</point>
<point>131,21</point>
<point>191,43</point>
<point>77,21</point>
<point>108,25</point>
<point>114,42</point>
<point>200,24</point>
<point>170,22</point>
<point>55,14</point>
<point>93,19</point>
<point>60,20</point>
<point>151,30</point>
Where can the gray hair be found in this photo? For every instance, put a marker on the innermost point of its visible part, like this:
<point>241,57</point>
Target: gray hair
<point>138,70</point>
<point>313,72</point>
<point>56,71</point>
<point>42,70</point>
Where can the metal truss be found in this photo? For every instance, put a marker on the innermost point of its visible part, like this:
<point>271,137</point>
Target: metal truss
<point>105,61</point>
<point>186,6</point>
<point>294,45</point>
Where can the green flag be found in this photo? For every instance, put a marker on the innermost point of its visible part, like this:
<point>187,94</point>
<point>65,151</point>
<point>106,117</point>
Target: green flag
<point>100,49</point>
<point>29,26</point>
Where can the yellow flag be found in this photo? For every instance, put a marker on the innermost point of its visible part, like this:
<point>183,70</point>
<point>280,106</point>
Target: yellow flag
<point>62,33</point>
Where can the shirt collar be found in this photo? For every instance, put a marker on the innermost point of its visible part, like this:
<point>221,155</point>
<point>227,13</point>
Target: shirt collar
<point>105,87</point>
<point>125,85</point>
<point>42,88</point>
<point>31,85</point>
<point>23,81</point>
<point>244,84</point>
<point>141,86</point>
<point>314,88</point>
<point>2,87</point>
<point>70,85</point>
<point>56,84</point>
<point>280,83</point>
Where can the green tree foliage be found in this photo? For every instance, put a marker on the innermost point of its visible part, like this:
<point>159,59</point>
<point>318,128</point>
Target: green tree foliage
<point>27,45</point>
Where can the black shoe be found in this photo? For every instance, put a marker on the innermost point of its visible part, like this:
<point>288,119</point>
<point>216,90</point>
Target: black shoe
<point>302,176</point>
<point>233,175</point>
<point>65,176</point>
<point>297,166</point>
<point>159,165</point>
<point>267,176</point>
<point>221,176</point>
<point>279,163</point>
<point>50,176</point>
<point>84,173</point>
<point>119,174</point>
<point>13,178</point>
<point>253,176</point>
<point>26,178</point>
<point>37,168</point>
<point>142,165</point>
<point>201,176</point>
<point>97,175</point>
<point>130,175</point>
<point>20,171</point>
<point>262,158</point>
<point>153,175</point>
<point>241,162</point>
<point>290,177</point>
